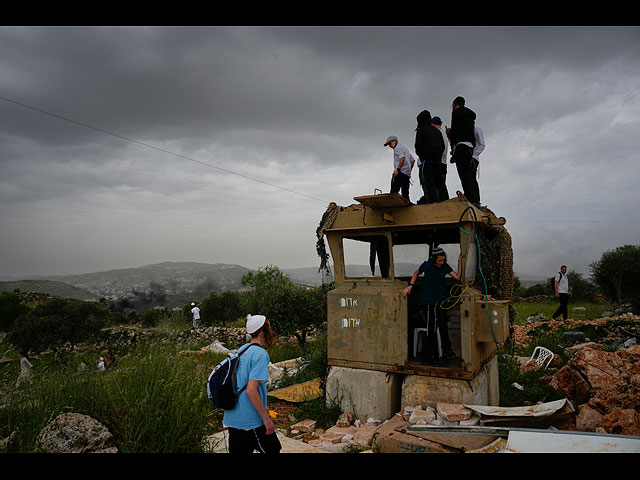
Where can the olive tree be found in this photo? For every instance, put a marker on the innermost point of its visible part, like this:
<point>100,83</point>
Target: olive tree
<point>293,310</point>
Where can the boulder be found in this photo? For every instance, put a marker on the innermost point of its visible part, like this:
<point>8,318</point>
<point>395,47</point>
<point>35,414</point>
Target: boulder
<point>75,433</point>
<point>622,422</point>
<point>589,419</point>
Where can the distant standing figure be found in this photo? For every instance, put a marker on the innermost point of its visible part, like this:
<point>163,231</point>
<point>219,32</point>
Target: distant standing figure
<point>195,312</point>
<point>101,367</point>
<point>25,369</point>
<point>561,284</point>
<point>402,164</point>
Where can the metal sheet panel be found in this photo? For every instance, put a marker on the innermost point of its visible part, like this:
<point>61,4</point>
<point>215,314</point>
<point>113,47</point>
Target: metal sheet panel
<point>570,442</point>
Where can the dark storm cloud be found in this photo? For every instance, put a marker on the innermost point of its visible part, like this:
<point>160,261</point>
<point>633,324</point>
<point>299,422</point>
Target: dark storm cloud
<point>306,109</point>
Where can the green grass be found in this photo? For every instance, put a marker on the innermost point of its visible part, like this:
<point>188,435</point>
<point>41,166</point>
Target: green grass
<point>153,402</point>
<point>592,310</point>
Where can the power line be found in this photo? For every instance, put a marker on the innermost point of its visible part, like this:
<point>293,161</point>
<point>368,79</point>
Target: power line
<point>574,221</point>
<point>101,130</point>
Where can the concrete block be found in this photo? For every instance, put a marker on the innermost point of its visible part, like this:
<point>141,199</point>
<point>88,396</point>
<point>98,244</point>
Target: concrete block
<point>483,389</point>
<point>365,393</point>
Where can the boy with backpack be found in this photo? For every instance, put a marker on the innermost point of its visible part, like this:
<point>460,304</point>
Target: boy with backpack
<point>249,424</point>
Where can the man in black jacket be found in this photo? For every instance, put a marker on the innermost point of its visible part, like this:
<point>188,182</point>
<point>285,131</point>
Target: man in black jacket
<point>462,138</point>
<point>429,147</point>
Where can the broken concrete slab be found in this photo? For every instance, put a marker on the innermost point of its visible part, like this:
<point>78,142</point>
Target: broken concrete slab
<point>453,412</point>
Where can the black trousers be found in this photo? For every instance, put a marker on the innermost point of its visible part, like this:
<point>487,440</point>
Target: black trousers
<point>246,441</point>
<point>442,188</point>
<point>435,318</point>
<point>562,309</point>
<point>400,182</point>
<point>432,180</point>
<point>467,168</point>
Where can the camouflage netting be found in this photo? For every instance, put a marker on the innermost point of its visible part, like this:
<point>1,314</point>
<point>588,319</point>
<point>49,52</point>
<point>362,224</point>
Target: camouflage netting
<point>327,220</point>
<point>497,265</point>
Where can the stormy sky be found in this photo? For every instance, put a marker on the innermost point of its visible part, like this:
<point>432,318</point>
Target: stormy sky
<point>126,146</point>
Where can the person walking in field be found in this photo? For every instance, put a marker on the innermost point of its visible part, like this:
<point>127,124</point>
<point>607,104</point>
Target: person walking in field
<point>26,369</point>
<point>561,285</point>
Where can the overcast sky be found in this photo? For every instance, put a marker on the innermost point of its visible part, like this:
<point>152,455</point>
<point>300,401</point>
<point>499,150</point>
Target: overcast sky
<point>126,146</point>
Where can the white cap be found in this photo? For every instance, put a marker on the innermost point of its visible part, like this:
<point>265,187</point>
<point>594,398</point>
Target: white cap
<point>255,322</point>
<point>192,304</point>
<point>390,139</point>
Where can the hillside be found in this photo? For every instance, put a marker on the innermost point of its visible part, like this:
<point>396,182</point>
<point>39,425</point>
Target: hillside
<point>179,279</point>
<point>49,287</point>
<point>174,278</point>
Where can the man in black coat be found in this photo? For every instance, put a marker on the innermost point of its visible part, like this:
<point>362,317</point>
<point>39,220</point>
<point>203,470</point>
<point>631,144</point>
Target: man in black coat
<point>462,138</point>
<point>429,147</point>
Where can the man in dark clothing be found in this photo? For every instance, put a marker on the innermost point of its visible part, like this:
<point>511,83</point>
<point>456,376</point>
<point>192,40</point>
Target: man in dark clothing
<point>432,295</point>
<point>463,140</point>
<point>429,147</point>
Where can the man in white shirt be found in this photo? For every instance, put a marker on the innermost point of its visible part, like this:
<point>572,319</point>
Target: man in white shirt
<point>403,162</point>
<point>561,283</point>
<point>195,311</point>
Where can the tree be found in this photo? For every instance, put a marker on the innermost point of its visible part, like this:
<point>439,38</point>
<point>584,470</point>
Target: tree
<point>11,307</point>
<point>221,307</point>
<point>617,273</point>
<point>58,322</point>
<point>292,310</point>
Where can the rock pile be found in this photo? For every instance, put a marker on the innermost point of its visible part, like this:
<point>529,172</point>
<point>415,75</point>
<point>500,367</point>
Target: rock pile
<point>348,434</point>
<point>607,384</point>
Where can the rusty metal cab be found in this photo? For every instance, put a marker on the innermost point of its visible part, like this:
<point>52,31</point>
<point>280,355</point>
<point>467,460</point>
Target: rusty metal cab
<point>376,245</point>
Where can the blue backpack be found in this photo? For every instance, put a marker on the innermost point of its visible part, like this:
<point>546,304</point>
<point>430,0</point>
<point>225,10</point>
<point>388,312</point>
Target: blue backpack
<point>221,384</point>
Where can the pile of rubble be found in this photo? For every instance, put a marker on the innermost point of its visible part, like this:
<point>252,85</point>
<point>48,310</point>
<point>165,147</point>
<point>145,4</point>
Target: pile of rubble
<point>612,322</point>
<point>447,428</point>
<point>607,386</point>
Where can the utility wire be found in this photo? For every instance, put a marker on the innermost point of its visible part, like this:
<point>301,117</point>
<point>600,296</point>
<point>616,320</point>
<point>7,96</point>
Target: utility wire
<point>101,130</point>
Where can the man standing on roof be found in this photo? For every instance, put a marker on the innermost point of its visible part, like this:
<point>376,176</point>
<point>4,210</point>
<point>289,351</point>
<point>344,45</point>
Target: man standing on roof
<point>402,164</point>
<point>442,181</point>
<point>429,147</point>
<point>463,141</point>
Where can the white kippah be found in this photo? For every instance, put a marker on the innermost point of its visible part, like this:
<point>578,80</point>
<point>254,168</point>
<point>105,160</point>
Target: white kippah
<point>255,322</point>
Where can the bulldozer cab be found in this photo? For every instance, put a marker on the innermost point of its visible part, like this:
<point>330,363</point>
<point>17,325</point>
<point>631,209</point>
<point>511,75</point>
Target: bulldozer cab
<point>376,246</point>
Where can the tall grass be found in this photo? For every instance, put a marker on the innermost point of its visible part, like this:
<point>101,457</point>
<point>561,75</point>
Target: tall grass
<point>154,401</point>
